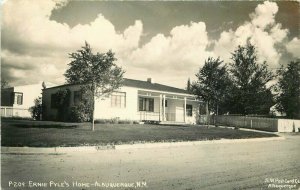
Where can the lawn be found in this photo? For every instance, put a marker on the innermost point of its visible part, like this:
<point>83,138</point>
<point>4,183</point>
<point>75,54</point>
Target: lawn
<point>52,134</point>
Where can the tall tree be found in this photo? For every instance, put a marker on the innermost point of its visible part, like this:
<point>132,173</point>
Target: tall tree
<point>288,88</point>
<point>250,94</point>
<point>98,71</point>
<point>212,84</point>
<point>188,85</point>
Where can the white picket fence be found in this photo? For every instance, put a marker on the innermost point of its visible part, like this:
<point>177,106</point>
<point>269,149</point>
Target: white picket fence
<point>266,124</point>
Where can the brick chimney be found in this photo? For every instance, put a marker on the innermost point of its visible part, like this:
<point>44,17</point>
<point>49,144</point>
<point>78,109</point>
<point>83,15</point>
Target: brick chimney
<point>150,80</point>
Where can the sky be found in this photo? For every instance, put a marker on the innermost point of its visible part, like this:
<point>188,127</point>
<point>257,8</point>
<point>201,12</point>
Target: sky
<point>163,40</point>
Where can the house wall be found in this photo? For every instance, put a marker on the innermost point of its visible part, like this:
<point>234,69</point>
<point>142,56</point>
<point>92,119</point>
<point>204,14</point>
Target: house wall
<point>51,113</point>
<point>6,97</point>
<point>30,93</point>
<point>12,109</point>
<point>175,111</point>
<point>195,117</point>
<point>104,110</point>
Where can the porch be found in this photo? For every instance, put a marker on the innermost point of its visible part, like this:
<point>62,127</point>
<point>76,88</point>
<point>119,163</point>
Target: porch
<point>167,108</point>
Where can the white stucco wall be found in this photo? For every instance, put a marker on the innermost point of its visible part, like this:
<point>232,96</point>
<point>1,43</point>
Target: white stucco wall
<point>104,110</point>
<point>194,118</point>
<point>30,93</point>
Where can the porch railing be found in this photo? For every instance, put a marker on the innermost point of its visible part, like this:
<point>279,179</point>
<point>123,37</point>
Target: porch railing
<point>14,112</point>
<point>148,116</point>
<point>154,116</point>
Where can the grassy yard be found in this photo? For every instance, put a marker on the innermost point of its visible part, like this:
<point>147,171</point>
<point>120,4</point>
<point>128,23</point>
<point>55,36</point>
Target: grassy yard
<point>52,134</point>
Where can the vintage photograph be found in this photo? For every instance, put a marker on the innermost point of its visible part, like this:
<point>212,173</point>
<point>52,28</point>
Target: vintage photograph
<point>170,95</point>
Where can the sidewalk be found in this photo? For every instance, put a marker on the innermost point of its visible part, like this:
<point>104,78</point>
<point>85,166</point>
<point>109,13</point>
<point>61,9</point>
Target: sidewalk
<point>94,149</point>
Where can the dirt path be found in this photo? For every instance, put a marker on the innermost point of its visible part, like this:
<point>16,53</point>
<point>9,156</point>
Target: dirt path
<point>213,166</point>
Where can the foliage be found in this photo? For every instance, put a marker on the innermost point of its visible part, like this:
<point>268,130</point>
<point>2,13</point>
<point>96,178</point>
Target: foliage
<point>212,83</point>
<point>288,88</point>
<point>82,110</point>
<point>4,84</point>
<point>62,102</point>
<point>36,110</point>
<point>250,95</point>
<point>99,71</point>
<point>188,85</point>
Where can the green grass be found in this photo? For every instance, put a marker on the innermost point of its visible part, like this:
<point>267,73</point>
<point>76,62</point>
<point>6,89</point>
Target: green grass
<point>52,134</point>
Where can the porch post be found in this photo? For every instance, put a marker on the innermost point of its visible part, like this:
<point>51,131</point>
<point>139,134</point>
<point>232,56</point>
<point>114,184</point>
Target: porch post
<point>164,107</point>
<point>160,105</point>
<point>184,109</point>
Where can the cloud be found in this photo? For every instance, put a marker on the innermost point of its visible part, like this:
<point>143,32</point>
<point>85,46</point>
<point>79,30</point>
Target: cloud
<point>35,48</point>
<point>261,30</point>
<point>293,47</point>
<point>30,38</point>
<point>180,53</point>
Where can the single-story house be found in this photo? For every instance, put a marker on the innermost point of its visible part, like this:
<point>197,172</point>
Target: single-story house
<point>136,100</point>
<point>16,101</point>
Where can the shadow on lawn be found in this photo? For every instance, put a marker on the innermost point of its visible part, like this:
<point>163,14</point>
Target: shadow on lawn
<point>46,126</point>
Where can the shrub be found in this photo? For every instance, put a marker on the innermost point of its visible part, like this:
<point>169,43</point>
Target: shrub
<point>36,110</point>
<point>79,113</point>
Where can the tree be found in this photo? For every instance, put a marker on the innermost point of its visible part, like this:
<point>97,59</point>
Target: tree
<point>250,94</point>
<point>288,88</point>
<point>212,84</point>
<point>4,84</point>
<point>188,85</point>
<point>36,110</point>
<point>98,71</point>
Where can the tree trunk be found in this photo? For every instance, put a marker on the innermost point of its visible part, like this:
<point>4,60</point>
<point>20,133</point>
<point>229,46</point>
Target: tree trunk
<point>207,114</point>
<point>93,110</point>
<point>93,115</point>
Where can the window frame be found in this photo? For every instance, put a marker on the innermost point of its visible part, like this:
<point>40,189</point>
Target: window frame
<point>146,104</point>
<point>116,100</point>
<point>18,94</point>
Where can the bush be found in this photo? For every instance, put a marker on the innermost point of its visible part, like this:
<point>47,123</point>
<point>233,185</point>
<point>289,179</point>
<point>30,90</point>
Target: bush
<point>36,110</point>
<point>79,113</point>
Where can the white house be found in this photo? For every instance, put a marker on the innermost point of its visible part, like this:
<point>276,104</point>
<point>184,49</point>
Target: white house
<point>16,101</point>
<point>135,100</point>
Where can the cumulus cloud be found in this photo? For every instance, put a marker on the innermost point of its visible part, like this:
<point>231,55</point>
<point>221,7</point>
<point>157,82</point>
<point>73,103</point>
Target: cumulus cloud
<point>31,38</point>
<point>262,31</point>
<point>35,48</point>
<point>293,47</point>
<point>181,53</point>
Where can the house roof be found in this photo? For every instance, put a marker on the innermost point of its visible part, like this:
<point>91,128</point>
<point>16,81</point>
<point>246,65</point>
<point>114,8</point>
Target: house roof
<point>143,85</point>
<point>152,86</point>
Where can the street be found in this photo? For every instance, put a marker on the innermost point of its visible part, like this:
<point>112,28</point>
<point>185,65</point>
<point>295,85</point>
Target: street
<point>253,165</point>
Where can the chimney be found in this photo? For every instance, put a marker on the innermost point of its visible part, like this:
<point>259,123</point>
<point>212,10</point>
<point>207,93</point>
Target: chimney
<point>150,80</point>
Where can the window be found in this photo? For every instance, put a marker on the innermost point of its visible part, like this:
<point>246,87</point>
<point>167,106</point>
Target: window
<point>77,97</point>
<point>18,98</point>
<point>189,110</point>
<point>118,99</point>
<point>146,104</point>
